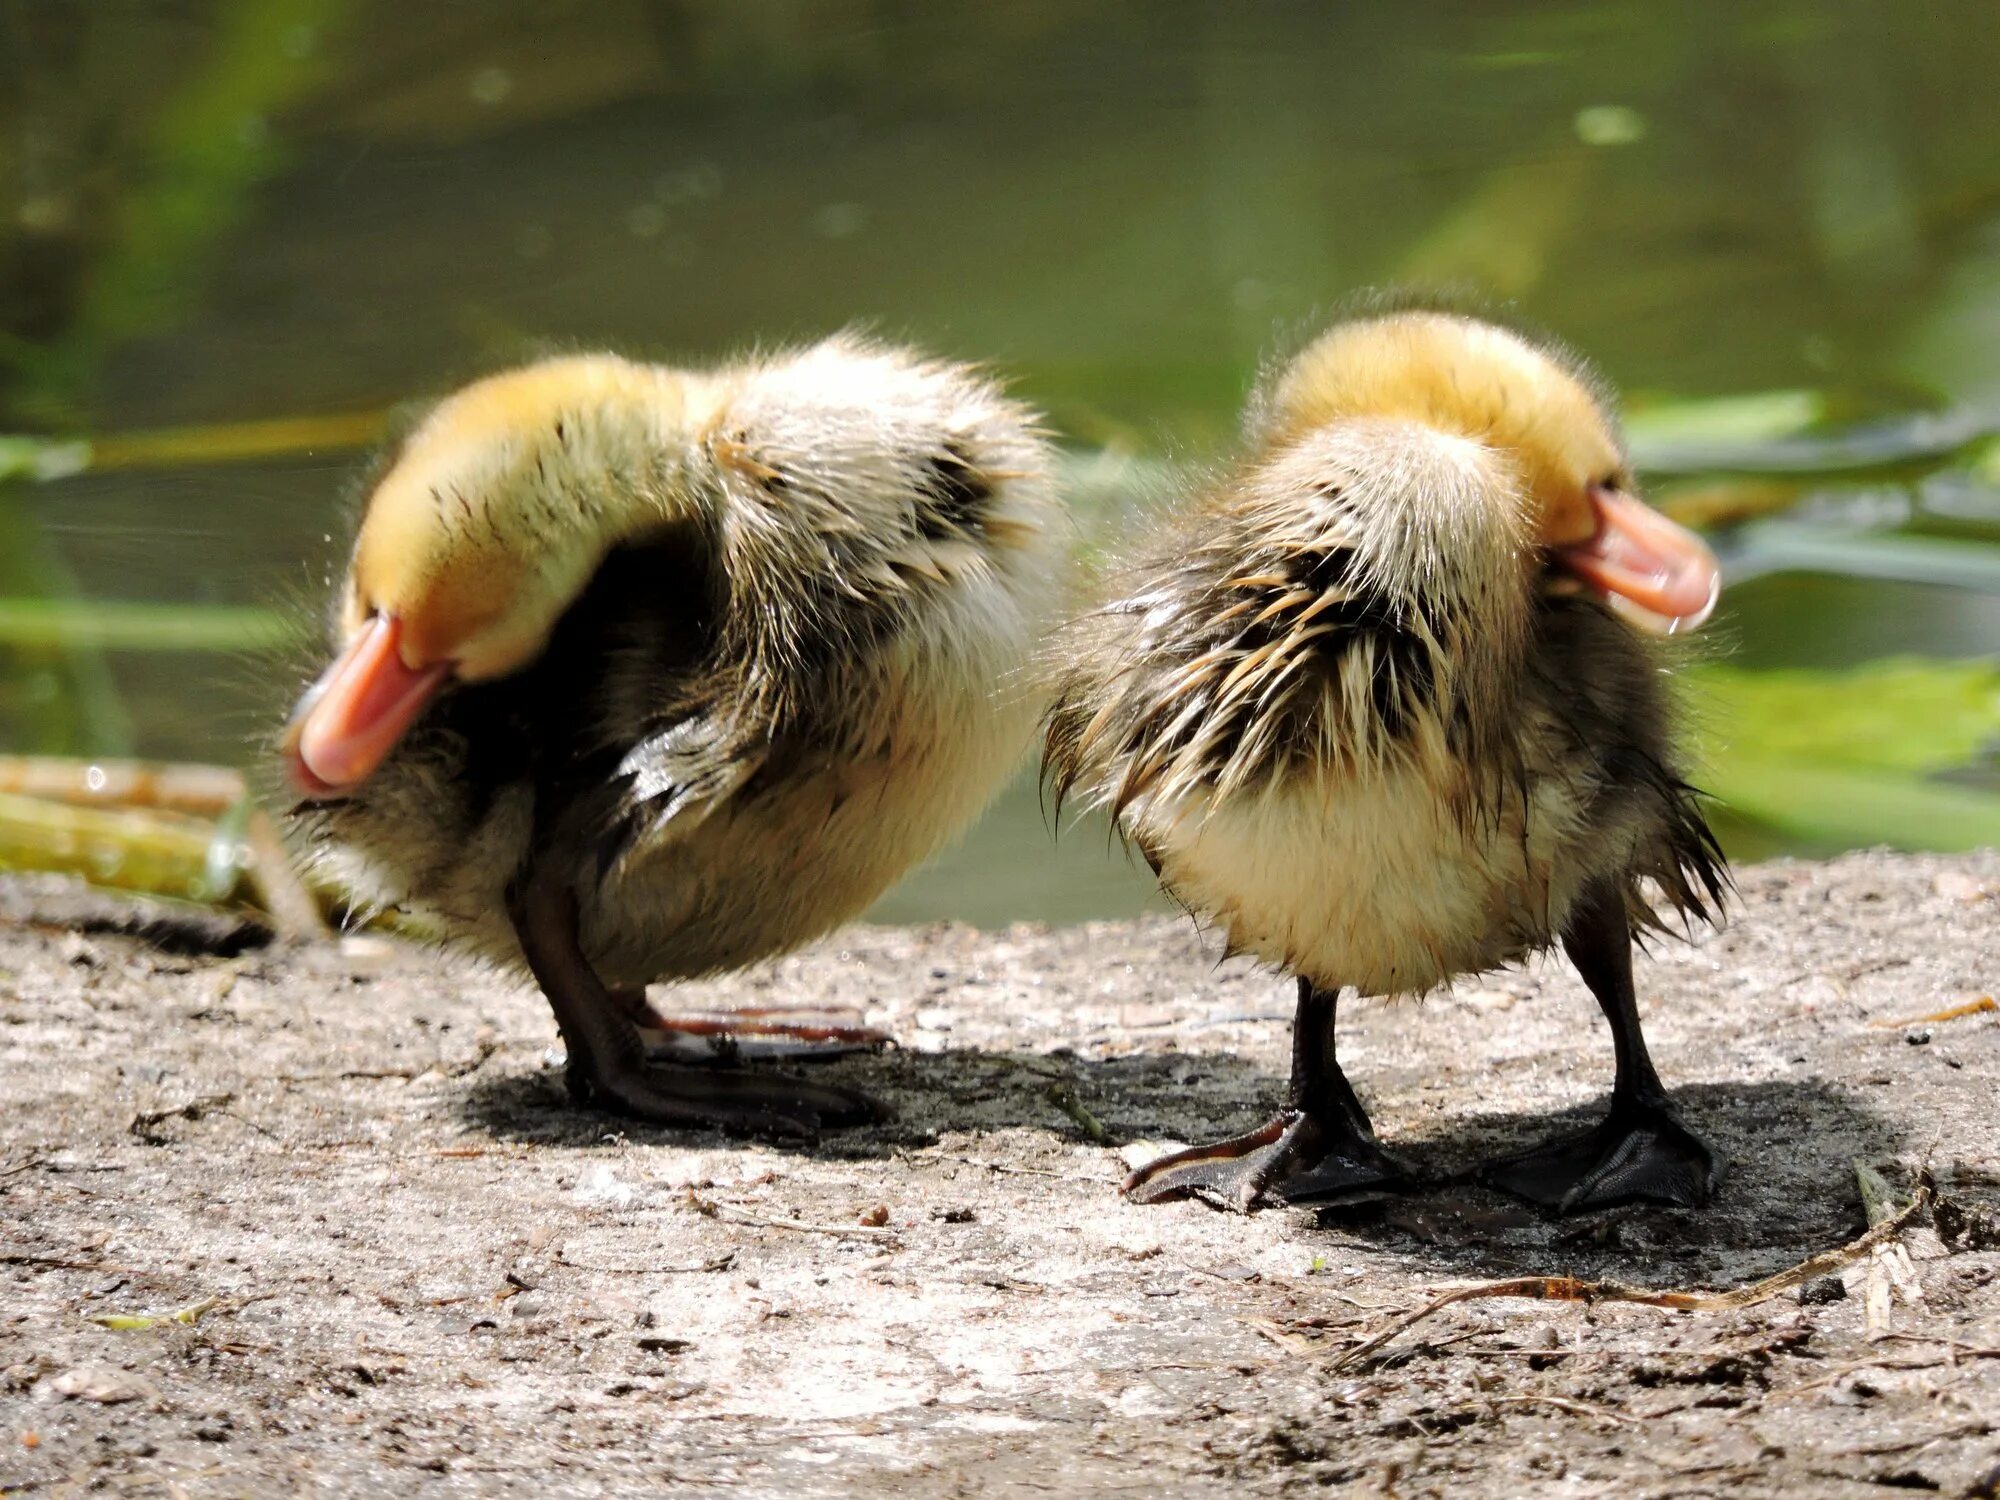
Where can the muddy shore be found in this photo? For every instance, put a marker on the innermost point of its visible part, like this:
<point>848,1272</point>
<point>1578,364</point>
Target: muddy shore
<point>415,1269</point>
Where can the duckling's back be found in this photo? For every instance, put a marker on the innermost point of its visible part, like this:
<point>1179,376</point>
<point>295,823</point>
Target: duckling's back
<point>755,719</point>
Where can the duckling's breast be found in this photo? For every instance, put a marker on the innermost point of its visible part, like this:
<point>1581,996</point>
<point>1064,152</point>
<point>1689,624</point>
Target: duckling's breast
<point>1395,875</point>
<point>1385,879</point>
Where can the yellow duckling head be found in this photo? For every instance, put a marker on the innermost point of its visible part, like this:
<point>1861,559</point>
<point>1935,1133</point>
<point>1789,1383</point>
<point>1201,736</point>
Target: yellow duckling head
<point>484,527</point>
<point>1473,379</point>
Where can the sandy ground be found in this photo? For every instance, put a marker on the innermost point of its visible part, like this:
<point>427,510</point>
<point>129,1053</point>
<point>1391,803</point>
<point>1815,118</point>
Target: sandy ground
<point>424,1273</point>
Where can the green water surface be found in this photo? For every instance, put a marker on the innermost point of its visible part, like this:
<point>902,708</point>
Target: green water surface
<point>1774,226</point>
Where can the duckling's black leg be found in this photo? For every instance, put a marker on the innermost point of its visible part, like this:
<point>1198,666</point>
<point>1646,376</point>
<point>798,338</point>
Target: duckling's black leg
<point>607,1053</point>
<point>752,1033</point>
<point>1320,1146</point>
<point>1641,1149</point>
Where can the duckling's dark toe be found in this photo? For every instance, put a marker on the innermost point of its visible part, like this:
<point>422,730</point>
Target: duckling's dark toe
<point>608,1067</point>
<point>1293,1156</point>
<point>737,1101</point>
<point>791,1035</point>
<point>1348,1174</point>
<point>1640,1152</point>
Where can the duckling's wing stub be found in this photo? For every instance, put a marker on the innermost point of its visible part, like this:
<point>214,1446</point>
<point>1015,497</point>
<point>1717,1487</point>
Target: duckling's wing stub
<point>672,781</point>
<point>679,775</point>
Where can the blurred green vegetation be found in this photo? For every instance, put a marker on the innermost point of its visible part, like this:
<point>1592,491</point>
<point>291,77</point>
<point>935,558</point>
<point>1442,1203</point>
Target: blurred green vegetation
<point>234,232</point>
<point>1898,751</point>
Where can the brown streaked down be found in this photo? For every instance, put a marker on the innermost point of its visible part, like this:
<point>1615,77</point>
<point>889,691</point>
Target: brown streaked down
<point>1386,704</point>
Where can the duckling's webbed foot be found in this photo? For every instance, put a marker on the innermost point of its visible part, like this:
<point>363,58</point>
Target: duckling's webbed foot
<point>608,1065</point>
<point>1292,1156</point>
<point>707,1037</point>
<point>1641,1149</point>
<point>1321,1147</point>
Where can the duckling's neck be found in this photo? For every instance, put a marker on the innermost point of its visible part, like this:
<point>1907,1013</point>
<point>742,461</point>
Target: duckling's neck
<point>629,453</point>
<point>524,483</point>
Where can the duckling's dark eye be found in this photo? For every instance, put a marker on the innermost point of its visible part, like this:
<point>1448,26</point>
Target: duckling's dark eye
<point>1612,482</point>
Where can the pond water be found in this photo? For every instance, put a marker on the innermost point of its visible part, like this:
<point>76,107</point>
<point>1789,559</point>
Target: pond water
<point>240,211</point>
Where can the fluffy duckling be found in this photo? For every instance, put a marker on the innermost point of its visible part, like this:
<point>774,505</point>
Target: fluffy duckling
<point>1386,706</point>
<point>642,674</point>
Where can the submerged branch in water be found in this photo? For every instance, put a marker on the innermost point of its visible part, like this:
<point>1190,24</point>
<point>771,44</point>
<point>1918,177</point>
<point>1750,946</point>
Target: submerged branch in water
<point>133,625</point>
<point>186,832</point>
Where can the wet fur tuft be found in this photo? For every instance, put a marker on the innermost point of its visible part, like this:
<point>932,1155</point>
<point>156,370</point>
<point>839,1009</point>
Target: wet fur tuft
<point>1334,703</point>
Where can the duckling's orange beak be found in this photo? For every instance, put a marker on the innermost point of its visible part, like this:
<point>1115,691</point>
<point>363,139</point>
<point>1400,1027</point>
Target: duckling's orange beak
<point>348,722</point>
<point>1654,572</point>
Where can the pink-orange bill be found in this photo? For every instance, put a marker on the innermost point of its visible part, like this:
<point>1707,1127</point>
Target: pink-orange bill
<point>348,722</point>
<point>1653,571</point>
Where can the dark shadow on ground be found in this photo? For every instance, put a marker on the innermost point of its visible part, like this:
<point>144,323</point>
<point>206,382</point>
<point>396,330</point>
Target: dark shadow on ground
<point>1790,1190</point>
<point>961,1089</point>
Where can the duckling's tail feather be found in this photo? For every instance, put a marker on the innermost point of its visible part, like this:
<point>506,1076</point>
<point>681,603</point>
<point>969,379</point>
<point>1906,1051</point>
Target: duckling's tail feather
<point>1692,877</point>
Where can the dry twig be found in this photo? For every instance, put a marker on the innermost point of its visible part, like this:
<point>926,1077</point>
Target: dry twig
<point>721,1262</point>
<point>1574,1289</point>
<point>145,1124</point>
<point>60,1263</point>
<point>708,1208</point>
<point>1564,1403</point>
<point>1977,1007</point>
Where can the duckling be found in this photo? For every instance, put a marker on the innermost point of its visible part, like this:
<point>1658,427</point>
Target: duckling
<point>641,674</point>
<point>1387,705</point>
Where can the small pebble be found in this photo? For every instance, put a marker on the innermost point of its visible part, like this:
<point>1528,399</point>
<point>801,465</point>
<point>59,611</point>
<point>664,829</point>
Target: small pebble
<point>365,952</point>
<point>1956,885</point>
<point>1823,1290</point>
<point>106,1384</point>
